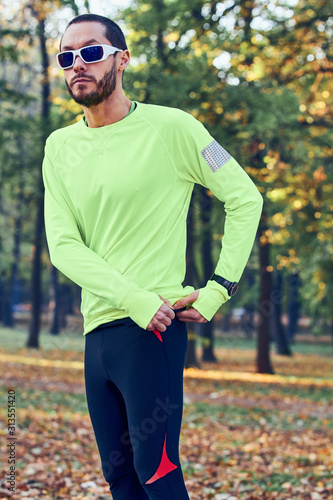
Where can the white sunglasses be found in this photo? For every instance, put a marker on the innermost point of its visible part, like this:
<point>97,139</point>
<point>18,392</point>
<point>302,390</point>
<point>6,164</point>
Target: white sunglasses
<point>89,54</point>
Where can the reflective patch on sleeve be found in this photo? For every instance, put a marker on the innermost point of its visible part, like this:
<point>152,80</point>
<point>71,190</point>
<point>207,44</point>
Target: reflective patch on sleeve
<point>215,156</point>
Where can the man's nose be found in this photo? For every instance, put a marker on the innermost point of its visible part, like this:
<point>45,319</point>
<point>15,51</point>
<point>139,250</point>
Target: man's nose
<point>79,64</point>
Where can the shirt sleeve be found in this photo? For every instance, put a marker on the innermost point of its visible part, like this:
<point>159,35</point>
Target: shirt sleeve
<point>200,159</point>
<point>74,259</point>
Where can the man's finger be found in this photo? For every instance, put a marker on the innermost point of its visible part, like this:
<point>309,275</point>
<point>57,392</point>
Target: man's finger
<point>167,311</point>
<point>170,313</point>
<point>190,314</point>
<point>184,314</point>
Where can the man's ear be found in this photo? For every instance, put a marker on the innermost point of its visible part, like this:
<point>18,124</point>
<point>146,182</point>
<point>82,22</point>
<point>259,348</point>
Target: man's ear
<point>124,60</point>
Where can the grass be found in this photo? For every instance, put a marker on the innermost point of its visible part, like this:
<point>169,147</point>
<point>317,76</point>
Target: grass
<point>27,398</point>
<point>229,342</point>
<point>195,414</point>
<point>255,418</point>
<point>16,338</point>
<point>13,339</point>
<point>312,393</point>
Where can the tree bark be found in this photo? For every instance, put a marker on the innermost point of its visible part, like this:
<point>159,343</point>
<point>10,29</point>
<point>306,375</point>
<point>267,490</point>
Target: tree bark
<point>207,329</point>
<point>14,286</point>
<point>33,340</point>
<point>54,330</point>
<point>191,357</point>
<point>293,307</point>
<point>265,313</point>
<point>247,321</point>
<point>280,334</point>
<point>5,302</point>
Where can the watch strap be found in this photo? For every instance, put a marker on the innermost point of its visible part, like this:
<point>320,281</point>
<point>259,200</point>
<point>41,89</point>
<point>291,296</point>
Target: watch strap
<point>221,281</point>
<point>229,285</point>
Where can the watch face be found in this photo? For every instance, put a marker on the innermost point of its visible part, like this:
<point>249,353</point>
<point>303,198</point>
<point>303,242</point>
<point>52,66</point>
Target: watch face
<point>234,289</point>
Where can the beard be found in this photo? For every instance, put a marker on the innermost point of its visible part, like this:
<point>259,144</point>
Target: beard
<point>104,89</point>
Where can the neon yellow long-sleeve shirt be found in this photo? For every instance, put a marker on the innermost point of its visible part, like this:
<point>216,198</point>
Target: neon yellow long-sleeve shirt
<point>116,204</point>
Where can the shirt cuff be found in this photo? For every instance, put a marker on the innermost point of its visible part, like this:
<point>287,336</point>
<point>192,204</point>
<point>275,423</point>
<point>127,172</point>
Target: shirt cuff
<point>210,299</point>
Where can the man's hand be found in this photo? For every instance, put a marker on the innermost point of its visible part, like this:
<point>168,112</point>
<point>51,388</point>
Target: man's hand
<point>162,318</point>
<point>191,315</point>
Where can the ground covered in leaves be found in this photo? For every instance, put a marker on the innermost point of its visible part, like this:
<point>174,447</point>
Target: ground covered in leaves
<point>244,435</point>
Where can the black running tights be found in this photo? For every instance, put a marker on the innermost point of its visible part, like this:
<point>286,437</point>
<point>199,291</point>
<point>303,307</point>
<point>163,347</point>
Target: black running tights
<point>134,389</point>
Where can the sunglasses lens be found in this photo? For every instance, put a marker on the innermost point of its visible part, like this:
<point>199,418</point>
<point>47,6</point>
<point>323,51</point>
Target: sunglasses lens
<point>65,59</point>
<point>92,54</point>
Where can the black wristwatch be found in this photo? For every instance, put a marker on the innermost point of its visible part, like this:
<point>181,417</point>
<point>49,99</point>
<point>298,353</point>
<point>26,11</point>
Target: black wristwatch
<point>232,287</point>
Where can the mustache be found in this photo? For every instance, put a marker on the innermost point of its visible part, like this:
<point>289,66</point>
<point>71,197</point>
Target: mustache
<point>79,77</point>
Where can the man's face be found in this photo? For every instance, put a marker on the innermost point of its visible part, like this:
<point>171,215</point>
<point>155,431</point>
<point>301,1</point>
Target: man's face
<point>89,84</point>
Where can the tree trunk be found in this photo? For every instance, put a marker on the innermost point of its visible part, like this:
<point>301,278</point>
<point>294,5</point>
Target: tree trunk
<point>34,328</point>
<point>54,330</point>
<point>207,329</point>
<point>15,284</point>
<point>160,44</point>
<point>280,334</point>
<point>2,300</point>
<point>266,306</point>
<point>5,304</point>
<point>6,313</point>
<point>293,308</point>
<point>247,320</point>
<point>191,358</point>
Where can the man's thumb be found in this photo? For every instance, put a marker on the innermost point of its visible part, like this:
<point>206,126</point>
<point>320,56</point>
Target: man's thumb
<point>185,300</point>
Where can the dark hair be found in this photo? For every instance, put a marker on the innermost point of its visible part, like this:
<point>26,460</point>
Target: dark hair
<point>112,31</point>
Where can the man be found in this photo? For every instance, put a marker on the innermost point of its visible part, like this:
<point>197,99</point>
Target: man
<point>118,185</point>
